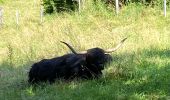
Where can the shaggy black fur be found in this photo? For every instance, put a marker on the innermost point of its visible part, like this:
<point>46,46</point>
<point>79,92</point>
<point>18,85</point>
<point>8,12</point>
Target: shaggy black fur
<point>87,66</point>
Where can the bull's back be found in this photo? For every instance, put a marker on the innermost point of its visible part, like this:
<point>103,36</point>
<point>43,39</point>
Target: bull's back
<point>47,69</point>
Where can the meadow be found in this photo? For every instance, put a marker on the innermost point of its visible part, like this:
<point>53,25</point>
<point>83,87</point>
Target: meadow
<point>140,69</point>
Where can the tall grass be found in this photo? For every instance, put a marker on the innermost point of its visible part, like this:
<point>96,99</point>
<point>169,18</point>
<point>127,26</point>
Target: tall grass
<point>140,69</point>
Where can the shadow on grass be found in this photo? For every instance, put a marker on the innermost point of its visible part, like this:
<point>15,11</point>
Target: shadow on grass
<point>142,77</point>
<point>158,53</point>
<point>11,76</point>
<point>145,73</point>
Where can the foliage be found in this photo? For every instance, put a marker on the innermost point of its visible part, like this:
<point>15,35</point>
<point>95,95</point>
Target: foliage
<point>51,6</point>
<point>59,5</point>
<point>48,6</point>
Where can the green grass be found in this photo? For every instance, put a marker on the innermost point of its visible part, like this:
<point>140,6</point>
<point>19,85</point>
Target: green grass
<point>140,70</point>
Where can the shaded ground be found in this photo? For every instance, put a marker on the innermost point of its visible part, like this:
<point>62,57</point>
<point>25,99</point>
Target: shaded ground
<point>134,78</point>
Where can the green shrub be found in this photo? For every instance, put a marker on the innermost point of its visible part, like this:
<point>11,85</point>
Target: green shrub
<point>48,6</point>
<point>51,6</point>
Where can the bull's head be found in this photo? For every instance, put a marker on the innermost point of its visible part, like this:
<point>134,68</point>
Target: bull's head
<point>96,58</point>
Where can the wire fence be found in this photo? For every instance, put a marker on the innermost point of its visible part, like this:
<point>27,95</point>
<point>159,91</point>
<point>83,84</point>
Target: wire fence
<point>41,12</point>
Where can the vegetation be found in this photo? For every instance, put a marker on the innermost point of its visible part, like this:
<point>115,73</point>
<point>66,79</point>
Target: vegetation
<point>140,70</point>
<point>52,6</point>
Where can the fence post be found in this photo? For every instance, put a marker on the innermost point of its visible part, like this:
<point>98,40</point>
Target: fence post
<point>34,1</point>
<point>79,5</point>
<point>41,14</point>
<point>82,3</point>
<point>165,8</point>
<point>117,6</point>
<point>1,16</point>
<point>17,17</point>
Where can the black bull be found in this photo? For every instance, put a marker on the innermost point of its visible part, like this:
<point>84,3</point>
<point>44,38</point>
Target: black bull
<point>85,65</point>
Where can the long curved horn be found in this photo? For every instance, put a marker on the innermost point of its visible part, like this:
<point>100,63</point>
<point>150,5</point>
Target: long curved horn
<point>117,47</point>
<point>70,47</point>
<point>83,52</point>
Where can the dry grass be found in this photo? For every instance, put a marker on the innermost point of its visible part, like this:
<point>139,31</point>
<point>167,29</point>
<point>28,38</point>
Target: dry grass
<point>140,69</point>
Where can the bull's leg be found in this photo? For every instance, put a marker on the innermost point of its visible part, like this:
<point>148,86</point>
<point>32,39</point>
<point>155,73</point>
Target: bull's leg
<point>52,79</point>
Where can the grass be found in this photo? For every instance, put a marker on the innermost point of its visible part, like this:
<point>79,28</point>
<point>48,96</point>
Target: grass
<point>140,70</point>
